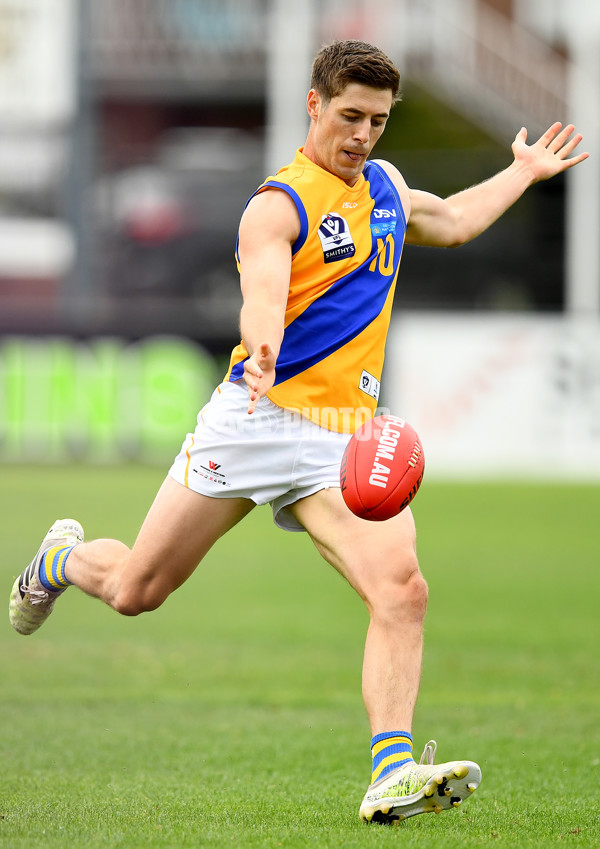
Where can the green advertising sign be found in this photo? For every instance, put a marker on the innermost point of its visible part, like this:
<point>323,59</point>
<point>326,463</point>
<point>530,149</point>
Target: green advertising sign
<point>101,401</point>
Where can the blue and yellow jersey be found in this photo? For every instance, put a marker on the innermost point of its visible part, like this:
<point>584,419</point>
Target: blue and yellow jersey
<point>344,267</point>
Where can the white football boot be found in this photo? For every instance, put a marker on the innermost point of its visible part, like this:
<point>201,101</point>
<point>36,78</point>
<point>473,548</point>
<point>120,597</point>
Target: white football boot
<point>30,602</point>
<point>420,789</point>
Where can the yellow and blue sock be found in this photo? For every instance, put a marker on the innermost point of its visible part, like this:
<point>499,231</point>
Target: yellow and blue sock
<point>390,750</point>
<point>52,568</point>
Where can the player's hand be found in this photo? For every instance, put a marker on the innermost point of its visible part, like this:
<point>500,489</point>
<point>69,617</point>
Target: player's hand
<point>259,373</point>
<point>550,154</point>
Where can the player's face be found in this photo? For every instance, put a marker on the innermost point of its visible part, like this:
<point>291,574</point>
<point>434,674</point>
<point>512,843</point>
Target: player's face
<point>344,130</point>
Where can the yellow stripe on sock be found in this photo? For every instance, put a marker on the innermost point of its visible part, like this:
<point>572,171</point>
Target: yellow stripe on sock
<point>391,741</point>
<point>396,758</point>
<point>48,558</point>
<point>60,566</point>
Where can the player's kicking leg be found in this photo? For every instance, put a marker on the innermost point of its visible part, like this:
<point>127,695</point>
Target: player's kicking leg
<point>379,561</point>
<point>179,529</point>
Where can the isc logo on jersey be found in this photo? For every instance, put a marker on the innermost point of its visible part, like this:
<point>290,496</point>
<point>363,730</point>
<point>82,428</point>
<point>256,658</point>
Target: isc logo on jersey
<point>336,239</point>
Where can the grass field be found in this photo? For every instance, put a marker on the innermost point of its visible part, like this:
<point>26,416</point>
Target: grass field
<point>232,716</point>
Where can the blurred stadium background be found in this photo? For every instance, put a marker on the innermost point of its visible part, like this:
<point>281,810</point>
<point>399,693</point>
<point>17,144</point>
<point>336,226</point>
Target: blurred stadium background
<point>131,134</point>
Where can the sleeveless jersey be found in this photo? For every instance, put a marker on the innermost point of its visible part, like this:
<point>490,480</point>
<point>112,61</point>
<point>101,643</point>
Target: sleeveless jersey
<point>344,267</point>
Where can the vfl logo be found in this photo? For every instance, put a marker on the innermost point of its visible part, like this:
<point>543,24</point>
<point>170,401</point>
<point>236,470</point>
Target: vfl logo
<point>369,384</point>
<point>336,239</point>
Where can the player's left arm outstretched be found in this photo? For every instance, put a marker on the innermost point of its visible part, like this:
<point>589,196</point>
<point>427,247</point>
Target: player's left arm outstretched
<point>461,217</point>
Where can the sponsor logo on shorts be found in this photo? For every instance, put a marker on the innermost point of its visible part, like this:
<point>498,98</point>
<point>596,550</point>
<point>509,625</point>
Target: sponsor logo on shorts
<point>211,473</point>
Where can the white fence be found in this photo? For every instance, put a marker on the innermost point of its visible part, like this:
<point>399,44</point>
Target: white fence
<point>500,396</point>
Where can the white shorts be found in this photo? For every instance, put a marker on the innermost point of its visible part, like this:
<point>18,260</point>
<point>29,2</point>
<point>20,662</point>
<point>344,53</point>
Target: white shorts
<point>272,456</point>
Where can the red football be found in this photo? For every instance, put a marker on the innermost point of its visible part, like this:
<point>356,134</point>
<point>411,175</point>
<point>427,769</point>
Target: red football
<point>382,468</point>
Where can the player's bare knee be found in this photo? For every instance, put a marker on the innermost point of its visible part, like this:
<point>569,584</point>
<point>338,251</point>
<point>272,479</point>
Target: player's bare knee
<point>417,593</point>
<point>399,596</point>
<point>409,596</point>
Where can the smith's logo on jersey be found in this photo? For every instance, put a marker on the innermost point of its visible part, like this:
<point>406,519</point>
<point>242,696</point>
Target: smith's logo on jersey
<point>336,239</point>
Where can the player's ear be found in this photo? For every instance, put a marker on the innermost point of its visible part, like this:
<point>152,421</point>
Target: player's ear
<point>313,104</point>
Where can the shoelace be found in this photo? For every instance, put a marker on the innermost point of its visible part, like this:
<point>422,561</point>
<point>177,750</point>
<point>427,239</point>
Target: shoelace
<point>42,596</point>
<point>35,596</point>
<point>411,777</point>
<point>428,755</point>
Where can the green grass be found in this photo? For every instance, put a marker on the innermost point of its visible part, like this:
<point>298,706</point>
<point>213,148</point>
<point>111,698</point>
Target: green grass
<point>232,716</point>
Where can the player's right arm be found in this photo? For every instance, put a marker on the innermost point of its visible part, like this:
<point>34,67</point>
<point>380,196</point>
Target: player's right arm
<point>269,227</point>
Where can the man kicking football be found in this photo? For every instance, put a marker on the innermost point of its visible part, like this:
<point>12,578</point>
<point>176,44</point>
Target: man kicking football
<point>318,262</point>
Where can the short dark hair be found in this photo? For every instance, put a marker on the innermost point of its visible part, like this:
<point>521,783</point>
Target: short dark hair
<point>343,62</point>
